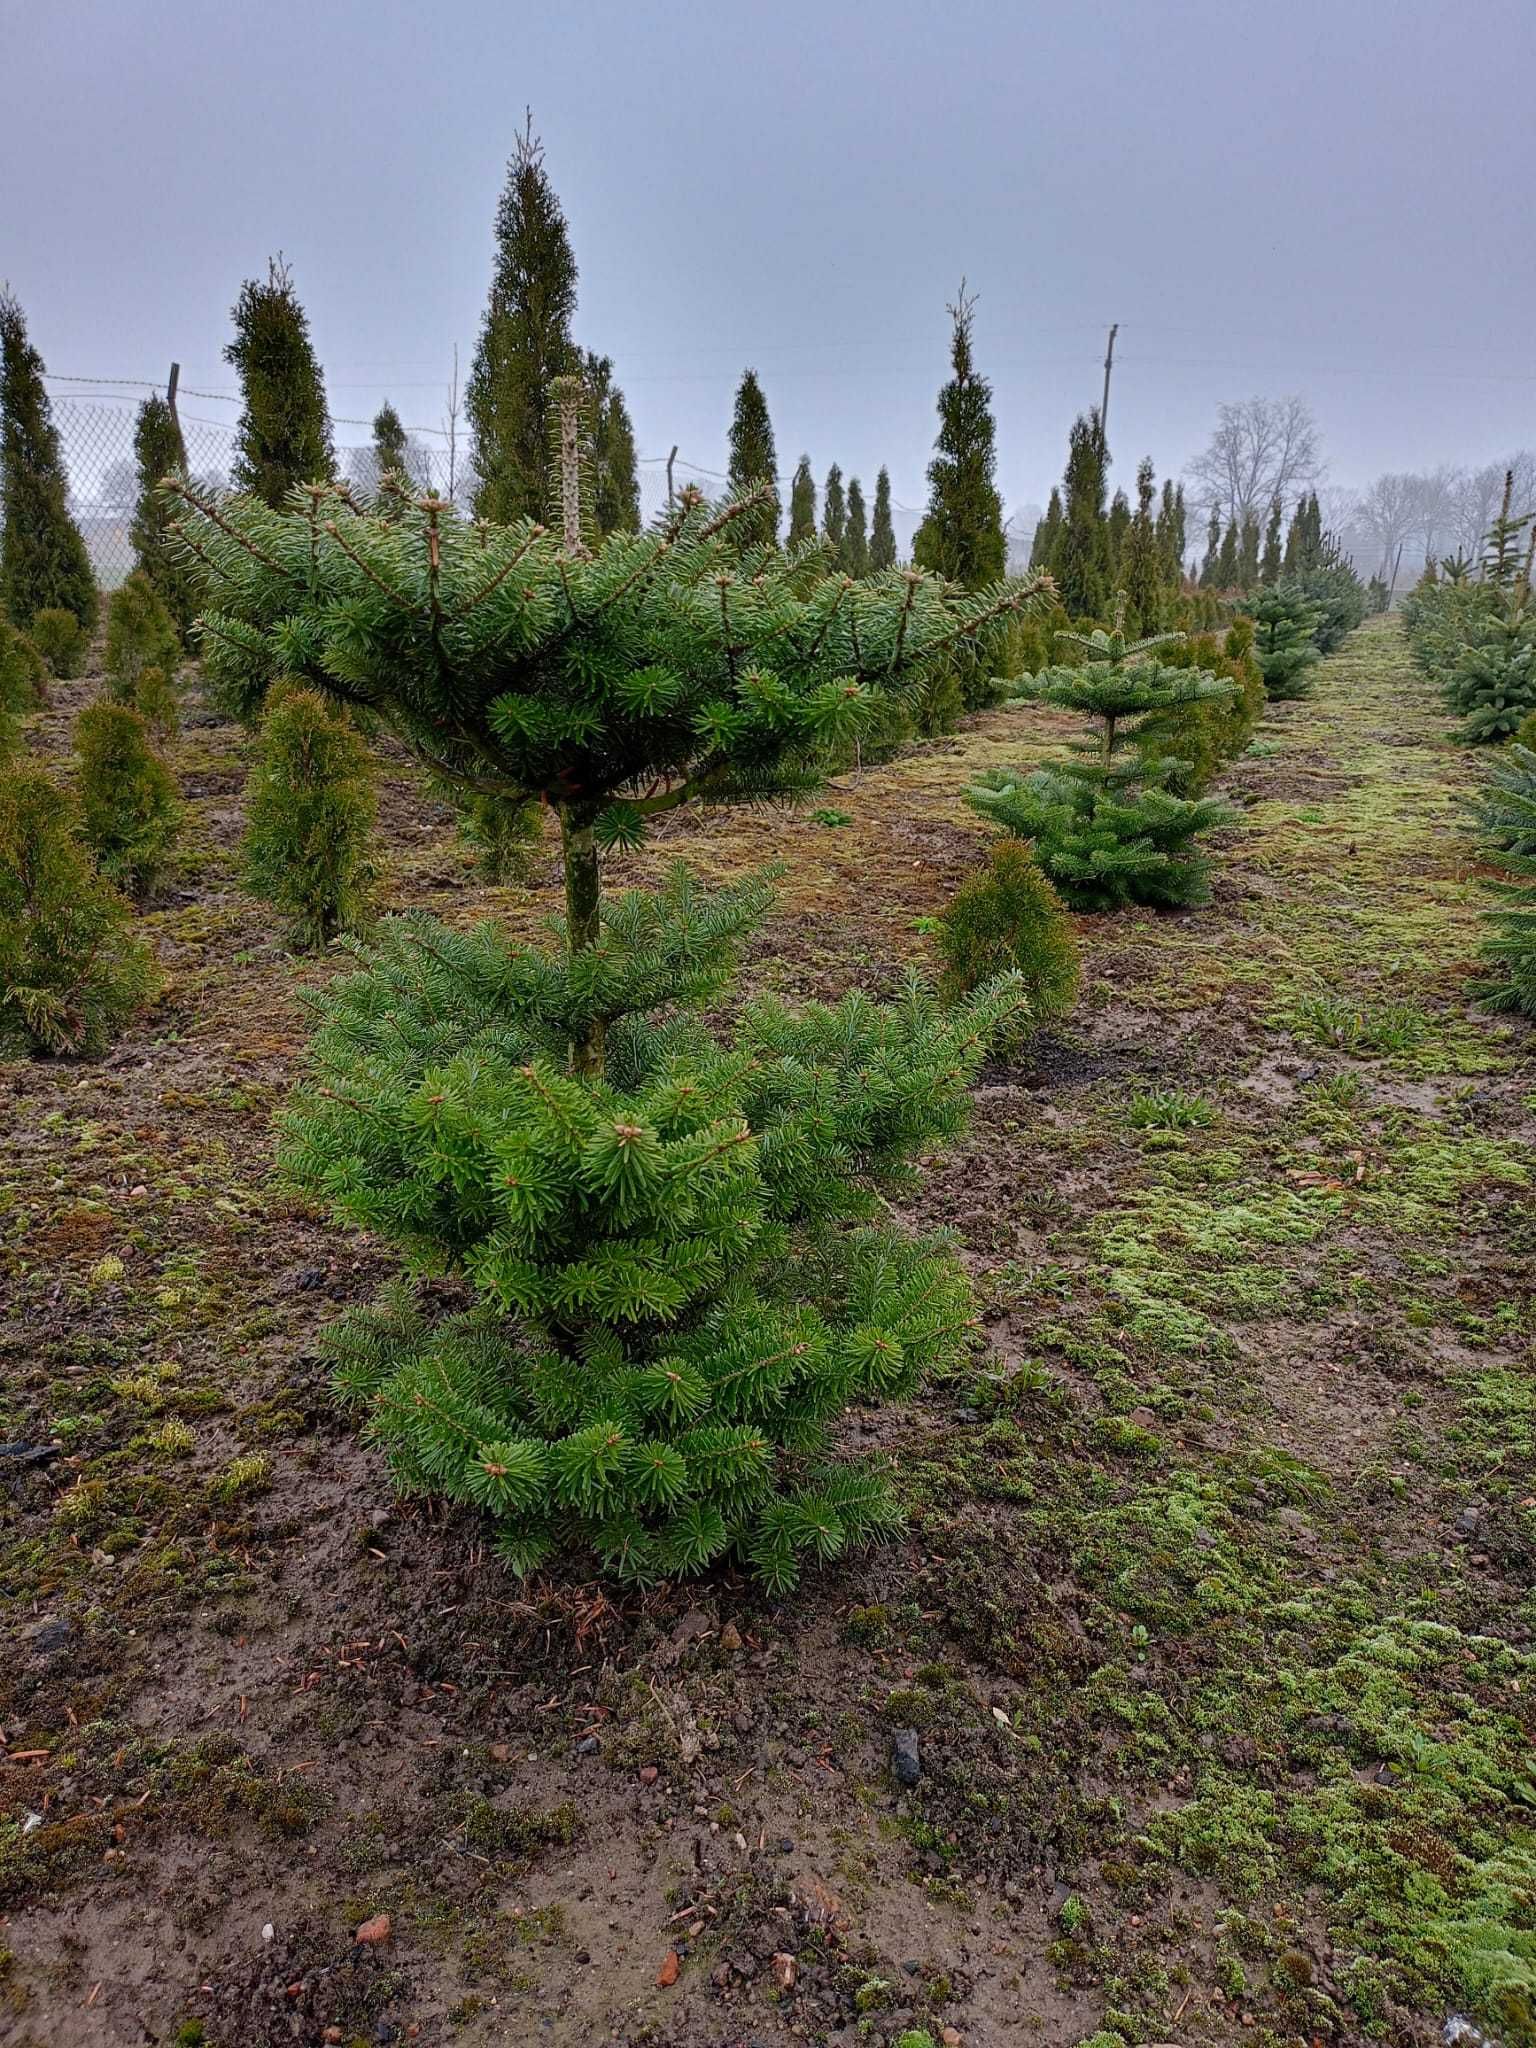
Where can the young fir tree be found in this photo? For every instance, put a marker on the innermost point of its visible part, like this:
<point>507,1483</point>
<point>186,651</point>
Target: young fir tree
<point>61,640</point>
<point>1080,562</point>
<point>1212,554</point>
<point>129,805</point>
<point>1008,919</point>
<point>1505,809</point>
<point>802,505</point>
<point>834,515</point>
<point>391,448</point>
<point>1270,562</point>
<point>882,534</point>
<point>310,807</point>
<point>961,537</point>
<point>1141,560</point>
<point>158,452</point>
<point>615,471</point>
<point>856,539</point>
<point>1042,549</point>
<point>140,634</point>
<point>1105,830</point>
<point>525,342</point>
<point>284,436</point>
<point>43,561</point>
<point>684,1274</point>
<point>754,465</point>
<point>71,970</point>
<point>1229,559</point>
<point>1283,645</point>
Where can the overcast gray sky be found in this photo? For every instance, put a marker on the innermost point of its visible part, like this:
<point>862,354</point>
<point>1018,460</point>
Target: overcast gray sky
<point>1334,199</point>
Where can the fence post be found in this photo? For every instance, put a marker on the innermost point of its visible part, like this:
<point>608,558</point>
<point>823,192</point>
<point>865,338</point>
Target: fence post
<point>170,393</point>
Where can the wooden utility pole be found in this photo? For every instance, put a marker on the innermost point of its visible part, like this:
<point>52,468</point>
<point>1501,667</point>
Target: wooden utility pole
<point>1109,364</point>
<point>670,460</point>
<point>170,393</point>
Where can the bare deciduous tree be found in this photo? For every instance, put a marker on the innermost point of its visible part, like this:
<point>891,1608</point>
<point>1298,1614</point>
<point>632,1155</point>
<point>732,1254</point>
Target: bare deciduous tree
<point>1387,513</point>
<point>1262,448</point>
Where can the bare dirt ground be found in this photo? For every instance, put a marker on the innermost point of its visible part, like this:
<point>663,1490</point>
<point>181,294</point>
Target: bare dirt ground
<point>1214,1614</point>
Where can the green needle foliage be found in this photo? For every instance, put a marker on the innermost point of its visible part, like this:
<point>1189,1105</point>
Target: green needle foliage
<point>1492,683</point>
<point>1009,920</point>
<point>1284,643</point>
<point>158,452</point>
<point>43,561</point>
<point>310,807</point>
<point>856,539</point>
<point>141,634</point>
<point>71,970</point>
<point>284,436</point>
<point>834,515</point>
<point>1079,559</point>
<point>1141,560</point>
<point>802,505</point>
<point>681,1286</point>
<point>1271,560</point>
<point>1105,829</point>
<point>129,805</point>
<point>61,640</point>
<point>1506,806</point>
<point>754,465</point>
<point>156,700</point>
<point>24,674</point>
<point>1042,549</point>
<point>1193,742</point>
<point>391,445</point>
<point>1510,948</point>
<point>615,475</point>
<point>961,537</point>
<point>882,534</point>
<point>525,341</point>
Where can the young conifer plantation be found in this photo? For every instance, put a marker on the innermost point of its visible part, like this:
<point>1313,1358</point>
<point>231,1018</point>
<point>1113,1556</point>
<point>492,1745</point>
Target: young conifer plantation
<point>768,1083</point>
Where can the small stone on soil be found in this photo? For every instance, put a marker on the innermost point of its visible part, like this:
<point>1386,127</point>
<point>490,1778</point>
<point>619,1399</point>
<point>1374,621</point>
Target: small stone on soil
<point>904,1756</point>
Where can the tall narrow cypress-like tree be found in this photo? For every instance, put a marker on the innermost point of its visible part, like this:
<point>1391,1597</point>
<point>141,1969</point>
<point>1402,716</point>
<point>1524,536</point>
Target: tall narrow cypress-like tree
<point>754,462</point>
<point>1229,560</point>
<point>615,476</point>
<point>834,514</point>
<point>1212,550</point>
<point>284,436</point>
<point>1180,531</point>
<point>1269,563</point>
<point>158,452</point>
<point>1042,551</point>
<point>802,504</point>
<point>391,445</point>
<point>882,534</point>
<point>1141,560</point>
<point>43,561</point>
<point>1081,558</point>
<point>856,541</point>
<point>525,341</point>
<point>1117,526</point>
<point>1248,551</point>
<point>962,535</point>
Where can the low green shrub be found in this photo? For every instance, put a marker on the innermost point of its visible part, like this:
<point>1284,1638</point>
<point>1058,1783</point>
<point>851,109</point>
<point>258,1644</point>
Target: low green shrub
<point>71,970</point>
<point>61,640</point>
<point>23,672</point>
<point>310,808</point>
<point>141,634</point>
<point>157,702</point>
<point>128,797</point>
<point>1008,919</point>
<point>1193,742</point>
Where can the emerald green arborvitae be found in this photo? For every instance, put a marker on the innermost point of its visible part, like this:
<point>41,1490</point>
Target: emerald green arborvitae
<point>1080,562</point>
<point>1284,626</point>
<point>284,436</point>
<point>802,505</point>
<point>1229,559</point>
<point>1042,549</point>
<point>525,342</point>
<point>23,672</point>
<point>391,447</point>
<point>310,806</point>
<point>683,1269</point>
<point>1105,830</point>
<point>61,640</point>
<point>140,634</point>
<point>834,515</point>
<point>1116,527</point>
<point>856,539</point>
<point>43,561</point>
<point>128,798</point>
<point>1212,553</point>
<point>1271,561</point>
<point>1008,919</point>
<point>615,472</point>
<point>754,464</point>
<point>961,536</point>
<point>1141,560</point>
<point>158,452</point>
<point>71,970</point>
<point>882,534</point>
<point>1248,552</point>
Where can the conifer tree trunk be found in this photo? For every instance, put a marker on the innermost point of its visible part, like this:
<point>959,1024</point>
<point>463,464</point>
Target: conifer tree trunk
<point>583,887</point>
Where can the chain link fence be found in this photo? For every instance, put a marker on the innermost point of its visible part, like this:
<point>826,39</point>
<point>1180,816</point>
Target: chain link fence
<point>97,437</point>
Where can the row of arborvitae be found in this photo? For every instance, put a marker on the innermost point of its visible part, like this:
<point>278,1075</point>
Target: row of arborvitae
<point>675,1230</point>
<point>1475,636</point>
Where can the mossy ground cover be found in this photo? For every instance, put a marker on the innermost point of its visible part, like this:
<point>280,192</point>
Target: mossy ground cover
<point>1214,1616</point>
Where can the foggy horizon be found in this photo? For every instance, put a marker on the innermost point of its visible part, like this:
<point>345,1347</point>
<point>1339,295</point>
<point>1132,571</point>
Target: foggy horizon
<point>1338,218</point>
